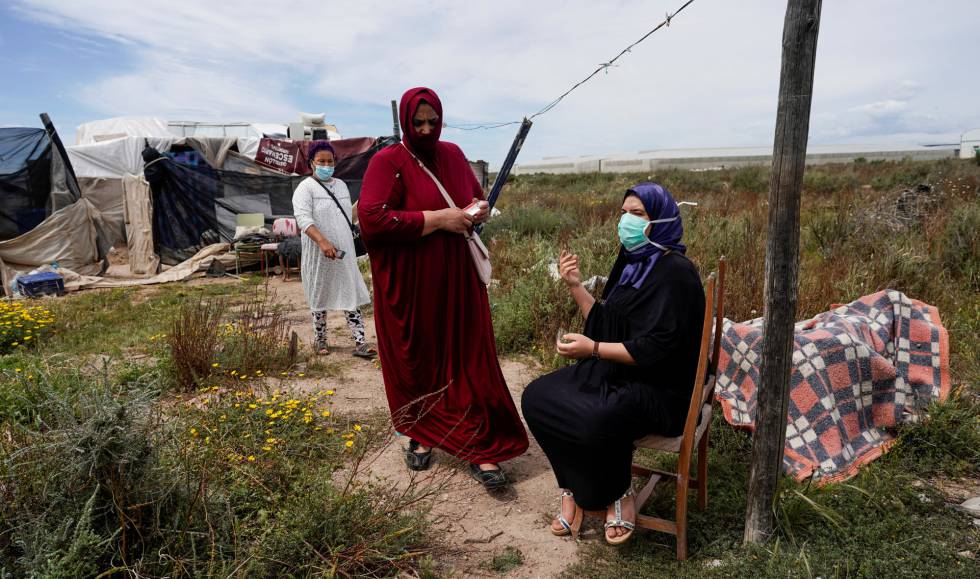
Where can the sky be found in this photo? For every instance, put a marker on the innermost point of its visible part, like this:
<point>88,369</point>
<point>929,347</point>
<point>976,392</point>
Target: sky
<point>887,71</point>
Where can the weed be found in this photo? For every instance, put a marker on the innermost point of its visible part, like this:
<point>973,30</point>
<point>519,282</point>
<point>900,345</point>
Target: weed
<point>505,561</point>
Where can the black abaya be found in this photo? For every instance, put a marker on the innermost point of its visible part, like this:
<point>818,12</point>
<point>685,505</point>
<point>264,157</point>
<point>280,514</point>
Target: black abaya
<point>586,416</point>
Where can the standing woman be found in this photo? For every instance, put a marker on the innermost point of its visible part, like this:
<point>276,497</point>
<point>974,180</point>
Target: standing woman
<point>438,357</point>
<point>331,280</point>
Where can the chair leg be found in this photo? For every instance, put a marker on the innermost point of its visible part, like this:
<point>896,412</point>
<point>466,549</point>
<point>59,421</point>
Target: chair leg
<point>682,516</point>
<point>703,470</point>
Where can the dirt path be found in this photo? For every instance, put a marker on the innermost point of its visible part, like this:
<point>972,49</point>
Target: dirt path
<point>480,524</point>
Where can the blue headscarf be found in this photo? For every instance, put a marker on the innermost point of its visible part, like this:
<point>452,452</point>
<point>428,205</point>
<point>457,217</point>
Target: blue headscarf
<point>659,205</point>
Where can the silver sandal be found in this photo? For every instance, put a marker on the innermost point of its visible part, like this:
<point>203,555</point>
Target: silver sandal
<point>619,522</point>
<point>567,528</point>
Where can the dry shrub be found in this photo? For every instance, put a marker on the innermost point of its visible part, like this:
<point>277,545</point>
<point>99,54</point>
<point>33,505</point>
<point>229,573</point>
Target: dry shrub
<point>256,337</point>
<point>194,340</point>
<point>213,333</point>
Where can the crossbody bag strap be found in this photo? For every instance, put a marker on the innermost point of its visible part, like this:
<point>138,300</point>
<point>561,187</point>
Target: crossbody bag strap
<point>445,194</point>
<point>339,206</point>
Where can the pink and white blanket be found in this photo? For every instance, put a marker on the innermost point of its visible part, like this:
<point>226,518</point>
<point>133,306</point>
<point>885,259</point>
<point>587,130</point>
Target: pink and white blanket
<point>859,371</point>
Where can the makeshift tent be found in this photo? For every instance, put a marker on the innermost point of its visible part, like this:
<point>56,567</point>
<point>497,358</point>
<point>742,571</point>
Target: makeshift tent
<point>33,180</point>
<point>194,206</point>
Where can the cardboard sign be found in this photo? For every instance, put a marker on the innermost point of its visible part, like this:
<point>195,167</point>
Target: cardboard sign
<point>285,156</point>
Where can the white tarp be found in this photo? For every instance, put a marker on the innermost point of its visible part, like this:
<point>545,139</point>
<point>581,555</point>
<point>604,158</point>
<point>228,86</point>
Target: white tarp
<point>139,226</point>
<point>107,129</point>
<point>196,266</point>
<point>68,237</point>
<point>116,158</point>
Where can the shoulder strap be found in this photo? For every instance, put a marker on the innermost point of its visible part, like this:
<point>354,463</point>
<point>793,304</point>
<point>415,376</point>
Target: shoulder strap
<point>342,212</point>
<point>435,179</point>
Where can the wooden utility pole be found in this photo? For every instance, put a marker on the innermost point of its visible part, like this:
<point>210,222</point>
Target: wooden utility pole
<point>782,261</point>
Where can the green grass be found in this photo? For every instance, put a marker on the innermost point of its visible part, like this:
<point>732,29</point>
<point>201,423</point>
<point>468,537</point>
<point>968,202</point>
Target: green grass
<point>105,468</point>
<point>113,322</point>
<point>849,243</point>
<point>886,522</point>
<point>100,469</point>
<point>889,521</point>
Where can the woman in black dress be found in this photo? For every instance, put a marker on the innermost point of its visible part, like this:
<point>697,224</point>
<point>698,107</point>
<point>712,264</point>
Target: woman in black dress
<point>638,358</point>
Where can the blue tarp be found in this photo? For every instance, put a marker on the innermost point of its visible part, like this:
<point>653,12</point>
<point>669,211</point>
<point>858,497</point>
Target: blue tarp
<point>25,179</point>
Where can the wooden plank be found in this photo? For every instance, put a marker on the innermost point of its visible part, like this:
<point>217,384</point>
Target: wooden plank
<point>656,524</point>
<point>800,30</point>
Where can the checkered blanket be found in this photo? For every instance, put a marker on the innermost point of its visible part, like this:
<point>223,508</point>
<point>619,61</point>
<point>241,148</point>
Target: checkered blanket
<point>858,372</point>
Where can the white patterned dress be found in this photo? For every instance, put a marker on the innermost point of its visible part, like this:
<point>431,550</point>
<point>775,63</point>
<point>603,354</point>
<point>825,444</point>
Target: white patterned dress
<point>329,284</point>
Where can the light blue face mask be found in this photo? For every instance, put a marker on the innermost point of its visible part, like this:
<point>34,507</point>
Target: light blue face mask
<point>323,173</point>
<point>632,231</point>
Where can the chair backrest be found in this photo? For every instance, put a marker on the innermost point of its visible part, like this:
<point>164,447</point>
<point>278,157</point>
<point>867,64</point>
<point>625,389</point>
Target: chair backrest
<point>719,318</point>
<point>249,220</point>
<point>697,396</point>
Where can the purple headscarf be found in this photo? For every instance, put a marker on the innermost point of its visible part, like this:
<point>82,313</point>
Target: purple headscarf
<point>318,146</point>
<point>659,205</point>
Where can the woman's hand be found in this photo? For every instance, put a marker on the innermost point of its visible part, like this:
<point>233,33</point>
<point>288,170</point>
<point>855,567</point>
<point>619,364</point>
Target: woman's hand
<point>576,346</point>
<point>329,251</point>
<point>483,213</point>
<point>568,269</point>
<point>454,220</point>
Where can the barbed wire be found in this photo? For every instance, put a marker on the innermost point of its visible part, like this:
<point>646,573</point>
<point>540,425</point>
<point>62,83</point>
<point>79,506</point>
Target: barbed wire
<point>605,66</point>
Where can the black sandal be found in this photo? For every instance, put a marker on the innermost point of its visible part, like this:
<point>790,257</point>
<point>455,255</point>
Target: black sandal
<point>490,479</point>
<point>417,460</point>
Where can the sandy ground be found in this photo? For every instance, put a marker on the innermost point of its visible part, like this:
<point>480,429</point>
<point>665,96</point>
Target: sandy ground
<point>479,524</point>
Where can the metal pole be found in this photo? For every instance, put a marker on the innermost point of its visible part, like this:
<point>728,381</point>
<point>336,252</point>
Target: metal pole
<point>394,118</point>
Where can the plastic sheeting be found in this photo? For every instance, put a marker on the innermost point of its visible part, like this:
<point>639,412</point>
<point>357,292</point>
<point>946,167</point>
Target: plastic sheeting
<point>108,129</point>
<point>119,157</point>
<point>69,237</point>
<point>193,206</point>
<point>107,196</point>
<point>139,225</point>
<point>33,180</point>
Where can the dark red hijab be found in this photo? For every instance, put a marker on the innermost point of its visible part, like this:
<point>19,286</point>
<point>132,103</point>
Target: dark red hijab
<point>423,147</point>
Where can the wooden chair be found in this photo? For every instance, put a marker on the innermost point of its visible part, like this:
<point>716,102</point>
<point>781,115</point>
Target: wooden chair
<point>247,251</point>
<point>695,432</point>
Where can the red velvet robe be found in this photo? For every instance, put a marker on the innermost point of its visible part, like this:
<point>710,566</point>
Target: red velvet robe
<point>432,314</point>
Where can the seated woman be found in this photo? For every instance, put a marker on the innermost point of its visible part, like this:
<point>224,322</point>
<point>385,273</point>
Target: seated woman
<point>638,358</point>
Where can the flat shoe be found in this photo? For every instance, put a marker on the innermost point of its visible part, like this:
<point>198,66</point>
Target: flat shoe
<point>365,351</point>
<point>417,460</point>
<point>490,479</point>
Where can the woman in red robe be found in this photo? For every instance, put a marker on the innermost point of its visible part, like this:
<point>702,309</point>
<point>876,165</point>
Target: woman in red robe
<point>431,311</point>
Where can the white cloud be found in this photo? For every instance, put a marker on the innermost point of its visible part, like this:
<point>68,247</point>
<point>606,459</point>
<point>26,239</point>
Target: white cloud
<point>710,79</point>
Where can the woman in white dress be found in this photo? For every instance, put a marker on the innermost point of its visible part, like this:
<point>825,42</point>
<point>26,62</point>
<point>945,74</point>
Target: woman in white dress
<point>331,278</point>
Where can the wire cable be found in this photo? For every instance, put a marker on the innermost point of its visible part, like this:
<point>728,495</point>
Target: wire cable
<point>605,66</point>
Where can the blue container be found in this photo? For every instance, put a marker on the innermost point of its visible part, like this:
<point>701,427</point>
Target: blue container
<point>41,284</point>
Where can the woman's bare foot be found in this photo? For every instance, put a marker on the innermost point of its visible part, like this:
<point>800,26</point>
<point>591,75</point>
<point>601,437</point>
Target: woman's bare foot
<point>489,466</point>
<point>629,515</point>
<point>567,511</point>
